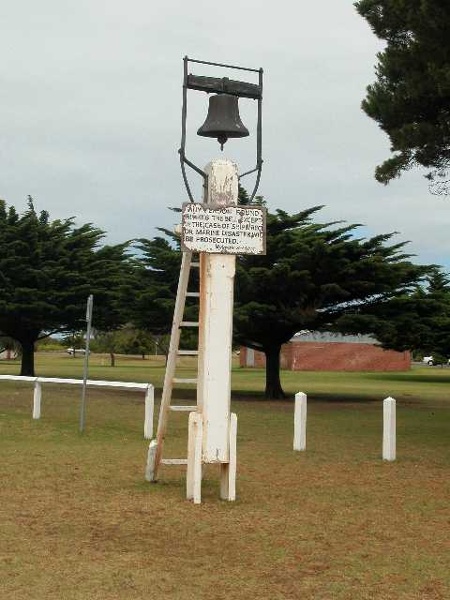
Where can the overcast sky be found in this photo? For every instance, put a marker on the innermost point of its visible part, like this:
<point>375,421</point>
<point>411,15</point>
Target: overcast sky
<point>91,112</point>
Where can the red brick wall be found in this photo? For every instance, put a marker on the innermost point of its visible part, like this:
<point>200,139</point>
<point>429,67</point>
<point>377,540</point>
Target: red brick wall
<point>335,356</point>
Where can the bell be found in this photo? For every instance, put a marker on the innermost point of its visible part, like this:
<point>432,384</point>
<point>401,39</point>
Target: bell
<point>223,120</point>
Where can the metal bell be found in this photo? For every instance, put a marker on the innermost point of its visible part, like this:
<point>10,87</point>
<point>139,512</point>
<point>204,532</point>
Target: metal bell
<point>223,120</point>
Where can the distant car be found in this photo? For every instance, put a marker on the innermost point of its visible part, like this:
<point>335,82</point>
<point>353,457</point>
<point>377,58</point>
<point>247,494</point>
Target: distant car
<point>76,351</point>
<point>429,360</point>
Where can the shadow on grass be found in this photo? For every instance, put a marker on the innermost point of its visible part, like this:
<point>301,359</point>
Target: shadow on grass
<point>343,397</point>
<point>411,378</point>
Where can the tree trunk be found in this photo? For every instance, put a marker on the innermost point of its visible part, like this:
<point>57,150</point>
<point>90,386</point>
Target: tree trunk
<point>112,357</point>
<point>273,390</point>
<point>27,365</point>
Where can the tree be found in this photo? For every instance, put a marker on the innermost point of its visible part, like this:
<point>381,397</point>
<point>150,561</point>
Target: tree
<point>47,271</point>
<point>126,340</point>
<point>410,100</point>
<point>155,293</point>
<point>312,274</point>
<point>418,320</point>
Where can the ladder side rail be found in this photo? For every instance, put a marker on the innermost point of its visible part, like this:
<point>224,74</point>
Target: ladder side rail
<point>180,302</point>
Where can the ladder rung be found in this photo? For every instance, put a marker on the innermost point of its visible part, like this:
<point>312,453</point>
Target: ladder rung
<point>184,380</point>
<point>183,408</point>
<point>189,324</point>
<point>187,352</point>
<point>174,461</point>
<point>193,294</point>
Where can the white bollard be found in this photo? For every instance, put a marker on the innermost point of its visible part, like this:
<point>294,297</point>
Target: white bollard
<point>228,470</point>
<point>37,400</point>
<point>194,458</point>
<point>300,421</point>
<point>149,411</point>
<point>150,466</point>
<point>389,429</point>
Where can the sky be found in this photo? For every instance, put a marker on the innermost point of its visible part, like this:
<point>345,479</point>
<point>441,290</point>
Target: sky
<point>90,118</point>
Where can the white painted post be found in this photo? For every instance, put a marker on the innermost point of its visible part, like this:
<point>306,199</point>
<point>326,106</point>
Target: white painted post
<point>194,459</point>
<point>37,400</point>
<point>389,429</point>
<point>215,323</point>
<point>150,466</point>
<point>300,411</point>
<point>228,470</point>
<point>149,411</point>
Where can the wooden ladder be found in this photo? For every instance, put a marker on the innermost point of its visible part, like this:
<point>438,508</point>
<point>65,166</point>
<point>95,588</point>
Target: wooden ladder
<point>155,450</point>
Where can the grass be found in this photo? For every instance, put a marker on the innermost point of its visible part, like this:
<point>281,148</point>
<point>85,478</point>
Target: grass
<point>334,522</point>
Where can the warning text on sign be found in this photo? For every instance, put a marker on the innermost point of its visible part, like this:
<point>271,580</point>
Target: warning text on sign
<point>228,230</point>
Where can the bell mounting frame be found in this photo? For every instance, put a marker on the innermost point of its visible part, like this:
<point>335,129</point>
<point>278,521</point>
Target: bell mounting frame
<point>220,85</point>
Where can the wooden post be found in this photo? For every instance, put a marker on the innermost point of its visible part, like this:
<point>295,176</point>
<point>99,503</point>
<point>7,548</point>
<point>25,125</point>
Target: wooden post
<point>150,466</point>
<point>194,458</point>
<point>228,470</point>
<point>148,412</point>
<point>216,323</point>
<point>37,399</point>
<point>389,429</point>
<point>300,411</point>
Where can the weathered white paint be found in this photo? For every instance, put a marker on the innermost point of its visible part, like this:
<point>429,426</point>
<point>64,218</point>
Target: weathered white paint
<point>37,400</point>
<point>149,403</point>
<point>228,470</point>
<point>122,385</point>
<point>389,429</point>
<point>194,460</point>
<point>215,327</point>
<point>300,412</point>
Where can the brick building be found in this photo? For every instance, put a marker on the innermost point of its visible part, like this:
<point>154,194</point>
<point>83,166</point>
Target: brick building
<point>316,351</point>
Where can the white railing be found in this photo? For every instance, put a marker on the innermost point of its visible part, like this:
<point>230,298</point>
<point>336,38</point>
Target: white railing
<point>148,388</point>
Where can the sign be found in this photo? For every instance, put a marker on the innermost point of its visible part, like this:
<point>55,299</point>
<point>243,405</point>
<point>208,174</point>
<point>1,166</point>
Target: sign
<point>225,230</point>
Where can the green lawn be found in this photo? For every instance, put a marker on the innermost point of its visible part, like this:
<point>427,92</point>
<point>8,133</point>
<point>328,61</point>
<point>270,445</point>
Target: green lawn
<point>78,521</point>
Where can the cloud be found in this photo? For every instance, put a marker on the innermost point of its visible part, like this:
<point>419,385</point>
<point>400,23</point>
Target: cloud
<point>91,111</point>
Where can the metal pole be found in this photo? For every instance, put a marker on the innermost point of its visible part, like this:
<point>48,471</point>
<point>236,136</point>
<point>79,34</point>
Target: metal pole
<point>90,302</point>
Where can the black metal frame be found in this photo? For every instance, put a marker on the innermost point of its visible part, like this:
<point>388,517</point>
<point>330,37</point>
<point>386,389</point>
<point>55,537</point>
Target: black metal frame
<point>222,85</point>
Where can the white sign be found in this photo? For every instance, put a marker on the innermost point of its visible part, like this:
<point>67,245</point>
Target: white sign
<point>226,230</point>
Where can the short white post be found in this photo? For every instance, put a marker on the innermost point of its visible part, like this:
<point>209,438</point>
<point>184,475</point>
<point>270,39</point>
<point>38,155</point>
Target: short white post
<point>150,466</point>
<point>228,470</point>
<point>300,421</point>
<point>37,399</point>
<point>149,410</point>
<point>389,429</point>
<point>194,459</point>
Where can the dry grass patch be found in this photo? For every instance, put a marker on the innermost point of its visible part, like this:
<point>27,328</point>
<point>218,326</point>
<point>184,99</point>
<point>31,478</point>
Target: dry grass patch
<point>334,522</point>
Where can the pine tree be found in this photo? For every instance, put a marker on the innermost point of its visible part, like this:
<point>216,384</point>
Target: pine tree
<point>410,100</point>
<point>312,274</point>
<point>47,271</point>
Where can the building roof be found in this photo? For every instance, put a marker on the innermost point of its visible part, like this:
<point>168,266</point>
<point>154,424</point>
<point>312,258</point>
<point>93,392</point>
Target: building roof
<point>328,336</point>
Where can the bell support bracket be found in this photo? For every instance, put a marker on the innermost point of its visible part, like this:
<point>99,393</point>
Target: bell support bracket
<point>223,85</point>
